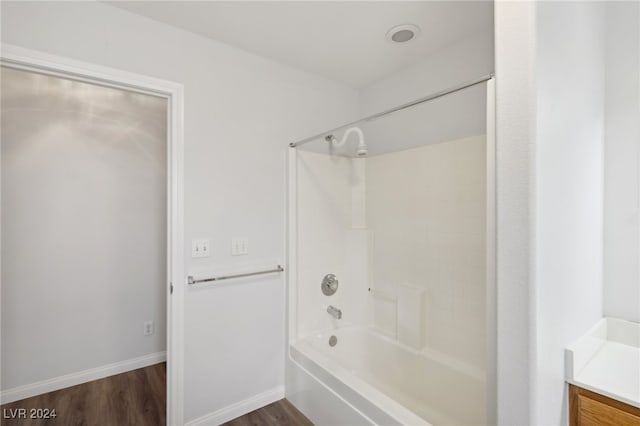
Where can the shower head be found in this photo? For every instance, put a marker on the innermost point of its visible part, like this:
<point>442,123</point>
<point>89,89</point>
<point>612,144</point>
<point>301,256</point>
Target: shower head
<point>361,149</point>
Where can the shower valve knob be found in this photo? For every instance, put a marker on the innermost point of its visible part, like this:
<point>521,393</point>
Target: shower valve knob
<point>329,284</point>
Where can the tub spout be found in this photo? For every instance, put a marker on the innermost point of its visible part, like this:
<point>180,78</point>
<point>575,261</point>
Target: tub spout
<point>334,312</point>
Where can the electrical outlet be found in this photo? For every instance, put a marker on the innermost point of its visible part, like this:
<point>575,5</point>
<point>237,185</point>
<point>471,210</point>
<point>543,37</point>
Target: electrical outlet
<point>200,248</point>
<point>148,328</point>
<point>239,246</point>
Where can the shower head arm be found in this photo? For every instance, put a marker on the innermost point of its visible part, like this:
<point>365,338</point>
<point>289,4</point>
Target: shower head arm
<point>346,135</point>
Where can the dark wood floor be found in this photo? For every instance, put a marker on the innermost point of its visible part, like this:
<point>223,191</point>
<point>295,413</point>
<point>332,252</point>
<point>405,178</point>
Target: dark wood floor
<point>136,397</point>
<point>280,413</point>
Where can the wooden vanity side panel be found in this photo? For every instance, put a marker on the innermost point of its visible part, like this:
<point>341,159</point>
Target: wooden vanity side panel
<point>588,408</point>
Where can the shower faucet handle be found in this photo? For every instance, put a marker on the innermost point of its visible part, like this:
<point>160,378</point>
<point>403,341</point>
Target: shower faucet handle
<point>329,284</point>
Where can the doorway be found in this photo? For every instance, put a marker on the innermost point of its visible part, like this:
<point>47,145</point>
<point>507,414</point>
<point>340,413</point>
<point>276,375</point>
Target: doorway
<point>91,224</point>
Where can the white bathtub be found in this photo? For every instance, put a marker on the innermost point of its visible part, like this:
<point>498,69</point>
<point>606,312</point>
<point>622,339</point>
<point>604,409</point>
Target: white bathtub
<point>390,383</point>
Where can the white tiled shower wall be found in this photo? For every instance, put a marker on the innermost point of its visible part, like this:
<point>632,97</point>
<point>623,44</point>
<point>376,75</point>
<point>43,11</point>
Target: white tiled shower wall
<point>426,210</point>
<point>423,232</point>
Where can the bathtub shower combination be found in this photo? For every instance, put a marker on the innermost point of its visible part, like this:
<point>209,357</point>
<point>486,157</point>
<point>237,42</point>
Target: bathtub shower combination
<point>391,268</point>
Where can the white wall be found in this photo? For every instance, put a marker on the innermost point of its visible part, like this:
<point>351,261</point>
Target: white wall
<point>514,180</point>
<point>240,112</point>
<point>84,226</point>
<point>550,115</point>
<point>560,64</point>
<point>426,212</point>
<point>622,162</point>
<point>570,57</point>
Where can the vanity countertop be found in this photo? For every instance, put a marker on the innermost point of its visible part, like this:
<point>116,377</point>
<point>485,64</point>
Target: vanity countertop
<point>606,360</point>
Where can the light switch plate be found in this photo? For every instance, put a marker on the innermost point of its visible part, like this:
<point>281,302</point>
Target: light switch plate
<point>239,246</point>
<point>200,248</point>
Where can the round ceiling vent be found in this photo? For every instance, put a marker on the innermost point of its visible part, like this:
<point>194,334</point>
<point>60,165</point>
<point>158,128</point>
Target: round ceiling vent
<point>403,33</point>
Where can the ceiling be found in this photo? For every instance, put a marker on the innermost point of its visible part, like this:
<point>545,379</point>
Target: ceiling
<point>343,41</point>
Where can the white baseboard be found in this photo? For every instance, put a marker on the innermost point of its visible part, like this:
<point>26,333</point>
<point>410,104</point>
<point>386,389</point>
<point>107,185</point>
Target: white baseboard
<point>239,408</point>
<point>61,382</point>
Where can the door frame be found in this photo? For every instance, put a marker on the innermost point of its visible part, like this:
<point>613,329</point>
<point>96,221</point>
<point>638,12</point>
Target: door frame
<point>30,60</point>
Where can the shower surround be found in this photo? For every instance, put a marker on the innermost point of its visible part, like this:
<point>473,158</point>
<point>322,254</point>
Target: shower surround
<point>404,233</point>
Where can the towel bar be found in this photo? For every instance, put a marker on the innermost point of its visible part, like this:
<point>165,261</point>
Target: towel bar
<point>191,280</point>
